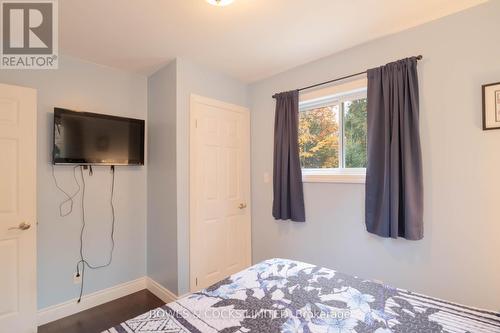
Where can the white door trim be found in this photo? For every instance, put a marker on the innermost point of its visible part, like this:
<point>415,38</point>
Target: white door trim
<point>192,171</point>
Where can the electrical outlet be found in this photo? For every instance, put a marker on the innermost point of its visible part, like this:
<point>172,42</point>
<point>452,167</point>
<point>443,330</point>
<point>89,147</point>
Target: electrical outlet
<point>77,279</point>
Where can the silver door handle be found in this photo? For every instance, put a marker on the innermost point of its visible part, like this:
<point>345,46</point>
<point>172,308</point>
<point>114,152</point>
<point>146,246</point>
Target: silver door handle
<point>242,206</point>
<point>21,226</point>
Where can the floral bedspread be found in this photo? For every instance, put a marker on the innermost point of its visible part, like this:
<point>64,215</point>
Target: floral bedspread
<point>280,295</point>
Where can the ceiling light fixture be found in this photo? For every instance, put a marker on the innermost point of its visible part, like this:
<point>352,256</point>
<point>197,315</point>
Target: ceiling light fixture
<point>220,3</point>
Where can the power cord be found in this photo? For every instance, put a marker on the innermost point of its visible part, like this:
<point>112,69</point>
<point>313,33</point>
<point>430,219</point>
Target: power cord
<point>69,198</point>
<point>83,262</point>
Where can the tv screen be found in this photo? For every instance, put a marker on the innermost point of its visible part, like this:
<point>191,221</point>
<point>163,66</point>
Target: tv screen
<point>96,139</point>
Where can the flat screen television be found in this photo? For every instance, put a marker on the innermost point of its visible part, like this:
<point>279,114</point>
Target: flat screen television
<point>95,139</point>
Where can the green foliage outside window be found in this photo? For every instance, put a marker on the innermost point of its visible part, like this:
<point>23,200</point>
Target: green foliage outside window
<point>355,131</point>
<point>320,132</point>
<point>319,138</point>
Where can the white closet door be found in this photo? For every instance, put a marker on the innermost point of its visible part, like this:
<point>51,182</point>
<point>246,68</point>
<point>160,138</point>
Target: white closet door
<point>17,209</point>
<point>220,225</point>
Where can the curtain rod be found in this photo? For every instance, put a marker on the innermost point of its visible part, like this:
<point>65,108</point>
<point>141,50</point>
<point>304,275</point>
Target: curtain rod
<point>419,57</point>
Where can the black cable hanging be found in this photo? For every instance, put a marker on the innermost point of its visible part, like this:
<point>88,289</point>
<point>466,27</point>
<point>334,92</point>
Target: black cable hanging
<point>419,57</point>
<point>83,261</point>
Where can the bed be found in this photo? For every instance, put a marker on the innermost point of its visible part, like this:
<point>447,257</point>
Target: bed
<point>280,295</point>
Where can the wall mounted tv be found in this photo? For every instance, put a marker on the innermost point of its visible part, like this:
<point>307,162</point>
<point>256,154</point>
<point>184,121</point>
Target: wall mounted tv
<point>96,139</point>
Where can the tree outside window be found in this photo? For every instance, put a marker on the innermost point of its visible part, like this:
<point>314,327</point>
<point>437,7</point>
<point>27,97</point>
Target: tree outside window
<point>334,135</point>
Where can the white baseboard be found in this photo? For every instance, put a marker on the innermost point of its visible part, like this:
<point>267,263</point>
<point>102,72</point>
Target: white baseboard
<point>71,307</point>
<point>160,291</point>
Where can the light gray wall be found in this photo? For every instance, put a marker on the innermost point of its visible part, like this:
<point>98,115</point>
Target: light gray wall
<point>162,199</point>
<point>170,89</point>
<point>84,86</point>
<point>458,257</point>
<point>195,79</point>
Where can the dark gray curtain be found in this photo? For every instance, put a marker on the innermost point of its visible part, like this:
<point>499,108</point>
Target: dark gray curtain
<point>394,190</point>
<point>288,203</point>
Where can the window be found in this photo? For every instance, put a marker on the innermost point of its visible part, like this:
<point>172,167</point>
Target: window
<point>333,136</point>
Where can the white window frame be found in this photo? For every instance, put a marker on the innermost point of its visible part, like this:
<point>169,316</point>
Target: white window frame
<point>334,175</point>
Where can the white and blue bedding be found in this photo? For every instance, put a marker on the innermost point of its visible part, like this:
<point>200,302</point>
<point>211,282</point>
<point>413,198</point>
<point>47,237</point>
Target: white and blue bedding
<point>288,296</point>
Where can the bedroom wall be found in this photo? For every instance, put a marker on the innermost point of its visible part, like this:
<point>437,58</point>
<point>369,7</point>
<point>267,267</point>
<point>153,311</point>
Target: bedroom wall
<point>85,86</point>
<point>199,80</point>
<point>457,259</point>
<point>170,89</point>
<point>162,199</point>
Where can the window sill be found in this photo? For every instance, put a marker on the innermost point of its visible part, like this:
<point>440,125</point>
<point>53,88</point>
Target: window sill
<point>345,177</point>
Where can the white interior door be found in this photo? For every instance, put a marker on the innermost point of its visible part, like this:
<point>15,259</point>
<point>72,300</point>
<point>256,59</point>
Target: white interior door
<point>220,227</point>
<point>17,209</point>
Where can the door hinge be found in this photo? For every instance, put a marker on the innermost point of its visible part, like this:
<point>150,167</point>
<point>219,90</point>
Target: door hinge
<point>196,281</point>
<point>196,123</point>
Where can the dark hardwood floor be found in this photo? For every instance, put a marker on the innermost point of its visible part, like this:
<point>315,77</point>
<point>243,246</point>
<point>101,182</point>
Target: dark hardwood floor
<point>105,316</point>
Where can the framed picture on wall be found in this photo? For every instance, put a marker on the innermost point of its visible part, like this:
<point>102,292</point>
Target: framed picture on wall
<point>491,106</point>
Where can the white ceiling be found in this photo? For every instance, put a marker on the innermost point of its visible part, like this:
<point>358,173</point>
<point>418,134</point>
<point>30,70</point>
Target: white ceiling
<point>248,40</point>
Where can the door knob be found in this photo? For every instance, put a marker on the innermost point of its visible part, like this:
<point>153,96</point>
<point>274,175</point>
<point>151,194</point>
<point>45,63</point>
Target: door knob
<point>242,206</point>
<point>21,226</point>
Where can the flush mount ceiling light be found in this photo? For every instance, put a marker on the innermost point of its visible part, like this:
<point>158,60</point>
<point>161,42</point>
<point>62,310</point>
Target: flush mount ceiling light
<point>220,3</point>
